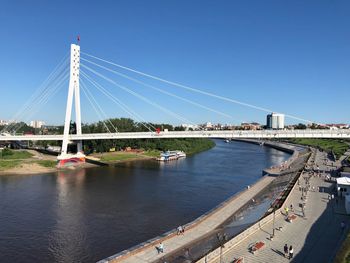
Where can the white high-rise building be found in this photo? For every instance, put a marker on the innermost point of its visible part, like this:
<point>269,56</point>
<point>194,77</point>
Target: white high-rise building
<point>37,124</point>
<point>275,121</point>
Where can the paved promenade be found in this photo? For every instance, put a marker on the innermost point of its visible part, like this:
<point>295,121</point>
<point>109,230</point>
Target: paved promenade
<point>315,234</point>
<point>213,220</point>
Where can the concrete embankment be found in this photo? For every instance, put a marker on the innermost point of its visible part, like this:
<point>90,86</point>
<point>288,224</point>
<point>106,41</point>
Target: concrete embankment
<point>95,161</point>
<point>197,229</point>
<point>313,227</point>
<point>283,167</point>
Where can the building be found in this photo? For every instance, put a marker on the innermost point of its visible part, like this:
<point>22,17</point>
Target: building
<point>250,126</point>
<point>335,126</point>
<point>3,122</point>
<point>37,124</point>
<point>275,121</point>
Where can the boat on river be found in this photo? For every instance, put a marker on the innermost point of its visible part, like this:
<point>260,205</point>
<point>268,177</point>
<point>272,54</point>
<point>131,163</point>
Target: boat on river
<point>171,155</point>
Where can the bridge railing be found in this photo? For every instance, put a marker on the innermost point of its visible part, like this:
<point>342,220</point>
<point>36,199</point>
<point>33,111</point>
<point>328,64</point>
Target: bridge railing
<point>259,134</point>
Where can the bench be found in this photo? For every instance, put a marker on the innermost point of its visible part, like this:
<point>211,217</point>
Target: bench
<point>258,245</point>
<point>292,217</point>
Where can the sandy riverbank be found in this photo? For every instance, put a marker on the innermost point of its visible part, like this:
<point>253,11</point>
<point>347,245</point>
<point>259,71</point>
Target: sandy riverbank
<point>28,168</point>
<point>31,166</point>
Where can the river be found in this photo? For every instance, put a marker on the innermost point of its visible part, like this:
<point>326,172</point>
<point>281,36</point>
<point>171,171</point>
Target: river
<point>89,214</point>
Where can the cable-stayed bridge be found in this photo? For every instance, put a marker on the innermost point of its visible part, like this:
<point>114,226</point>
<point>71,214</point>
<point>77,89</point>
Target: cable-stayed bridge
<point>259,134</point>
<point>81,75</point>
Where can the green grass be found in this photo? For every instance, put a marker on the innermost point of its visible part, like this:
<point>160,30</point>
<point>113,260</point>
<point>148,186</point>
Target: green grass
<point>47,163</point>
<point>118,157</point>
<point>12,155</point>
<point>152,153</point>
<point>343,255</point>
<point>339,147</point>
<point>8,164</point>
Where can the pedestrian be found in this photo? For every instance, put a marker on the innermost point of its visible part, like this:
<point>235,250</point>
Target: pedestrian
<point>285,248</point>
<point>291,208</point>
<point>291,251</point>
<point>160,248</point>
<point>286,210</point>
<point>182,229</point>
<point>178,230</point>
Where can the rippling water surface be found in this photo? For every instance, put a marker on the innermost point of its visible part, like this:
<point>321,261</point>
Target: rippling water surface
<point>90,214</point>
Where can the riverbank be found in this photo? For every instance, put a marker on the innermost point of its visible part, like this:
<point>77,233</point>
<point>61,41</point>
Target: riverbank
<point>25,162</point>
<point>34,162</point>
<point>332,146</point>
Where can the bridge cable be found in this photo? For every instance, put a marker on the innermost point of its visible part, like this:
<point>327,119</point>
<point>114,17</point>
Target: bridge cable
<point>43,100</point>
<point>117,101</point>
<point>159,90</point>
<point>102,113</point>
<point>83,88</point>
<point>41,89</point>
<point>195,90</point>
<point>123,106</point>
<point>139,96</point>
<point>40,100</point>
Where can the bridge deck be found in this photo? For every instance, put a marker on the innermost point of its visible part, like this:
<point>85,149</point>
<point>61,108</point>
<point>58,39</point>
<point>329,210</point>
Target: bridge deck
<point>188,134</point>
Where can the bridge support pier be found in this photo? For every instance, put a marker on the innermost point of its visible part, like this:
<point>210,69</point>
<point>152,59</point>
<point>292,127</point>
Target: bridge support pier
<point>73,91</point>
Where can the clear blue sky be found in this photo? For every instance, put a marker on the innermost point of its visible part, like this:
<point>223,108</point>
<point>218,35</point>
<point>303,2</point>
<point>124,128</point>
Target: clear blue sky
<point>289,56</point>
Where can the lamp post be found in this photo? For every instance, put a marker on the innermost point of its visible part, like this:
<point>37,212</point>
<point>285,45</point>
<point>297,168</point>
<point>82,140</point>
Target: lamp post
<point>273,222</point>
<point>222,238</point>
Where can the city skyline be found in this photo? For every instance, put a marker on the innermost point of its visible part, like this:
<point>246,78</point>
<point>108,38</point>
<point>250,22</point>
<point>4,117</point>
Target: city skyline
<point>282,56</point>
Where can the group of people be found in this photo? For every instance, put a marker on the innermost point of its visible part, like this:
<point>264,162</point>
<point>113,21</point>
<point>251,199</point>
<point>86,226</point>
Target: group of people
<point>288,252</point>
<point>160,247</point>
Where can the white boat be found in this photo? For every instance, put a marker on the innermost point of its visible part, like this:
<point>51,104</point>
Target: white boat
<point>171,155</point>
<point>181,154</point>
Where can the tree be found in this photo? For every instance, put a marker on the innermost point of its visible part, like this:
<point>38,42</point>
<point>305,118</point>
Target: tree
<point>300,126</point>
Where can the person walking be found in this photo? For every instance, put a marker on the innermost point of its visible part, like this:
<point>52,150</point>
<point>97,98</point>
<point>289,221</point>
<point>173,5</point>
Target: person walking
<point>286,210</point>
<point>285,249</point>
<point>179,230</point>
<point>160,248</point>
<point>291,251</point>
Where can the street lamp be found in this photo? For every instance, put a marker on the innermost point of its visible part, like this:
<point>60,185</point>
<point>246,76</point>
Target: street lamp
<point>273,223</point>
<point>222,238</point>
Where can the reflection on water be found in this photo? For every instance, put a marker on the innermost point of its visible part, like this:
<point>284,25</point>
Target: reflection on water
<point>87,215</point>
<point>68,237</point>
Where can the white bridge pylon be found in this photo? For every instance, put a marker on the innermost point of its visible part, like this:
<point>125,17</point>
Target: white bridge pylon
<point>73,91</point>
